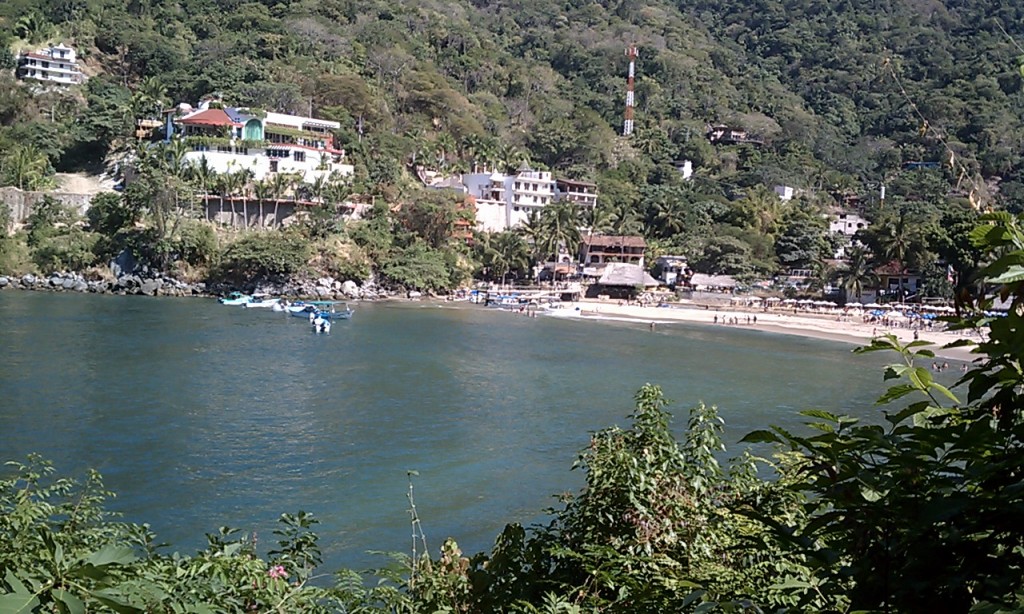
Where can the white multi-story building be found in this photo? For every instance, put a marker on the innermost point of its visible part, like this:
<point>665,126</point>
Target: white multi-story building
<point>505,201</point>
<point>845,225</point>
<point>55,64</point>
<point>233,139</point>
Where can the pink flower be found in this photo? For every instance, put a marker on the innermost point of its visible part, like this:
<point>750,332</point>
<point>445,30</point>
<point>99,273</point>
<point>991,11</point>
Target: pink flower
<point>277,572</point>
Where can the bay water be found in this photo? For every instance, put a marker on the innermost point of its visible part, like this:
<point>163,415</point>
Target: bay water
<point>200,415</point>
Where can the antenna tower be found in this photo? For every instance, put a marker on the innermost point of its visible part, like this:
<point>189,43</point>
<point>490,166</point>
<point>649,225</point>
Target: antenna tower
<point>627,126</point>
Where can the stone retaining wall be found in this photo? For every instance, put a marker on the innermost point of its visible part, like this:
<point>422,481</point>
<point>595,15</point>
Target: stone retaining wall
<point>20,202</point>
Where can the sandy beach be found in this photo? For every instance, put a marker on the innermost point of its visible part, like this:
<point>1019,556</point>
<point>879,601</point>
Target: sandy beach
<point>850,330</point>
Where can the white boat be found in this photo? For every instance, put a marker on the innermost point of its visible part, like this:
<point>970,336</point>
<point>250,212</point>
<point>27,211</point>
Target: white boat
<point>264,301</point>
<point>321,325</point>
<point>235,298</point>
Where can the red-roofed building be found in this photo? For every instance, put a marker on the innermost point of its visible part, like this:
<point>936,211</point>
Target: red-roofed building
<point>56,64</point>
<point>232,139</point>
<point>209,118</point>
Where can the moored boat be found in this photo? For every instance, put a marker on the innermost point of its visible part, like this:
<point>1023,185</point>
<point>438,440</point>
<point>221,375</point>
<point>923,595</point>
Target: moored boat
<point>235,298</point>
<point>262,301</point>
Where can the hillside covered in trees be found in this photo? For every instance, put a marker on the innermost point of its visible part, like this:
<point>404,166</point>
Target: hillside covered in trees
<point>845,97</point>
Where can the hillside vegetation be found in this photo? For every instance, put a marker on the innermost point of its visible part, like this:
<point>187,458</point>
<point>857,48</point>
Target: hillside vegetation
<point>844,96</point>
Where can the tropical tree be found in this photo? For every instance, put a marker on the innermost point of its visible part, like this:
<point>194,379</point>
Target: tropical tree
<point>150,97</point>
<point>561,222</point>
<point>279,185</point>
<point>261,190</point>
<point>25,167</point>
<point>204,176</point>
<point>534,231</point>
<point>501,254</point>
<point>856,273</point>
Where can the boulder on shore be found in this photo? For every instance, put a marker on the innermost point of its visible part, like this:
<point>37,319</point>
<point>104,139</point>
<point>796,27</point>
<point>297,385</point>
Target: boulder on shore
<point>150,287</point>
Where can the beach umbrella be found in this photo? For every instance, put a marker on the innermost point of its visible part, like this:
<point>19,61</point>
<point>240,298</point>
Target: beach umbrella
<point>772,299</point>
<point>789,301</point>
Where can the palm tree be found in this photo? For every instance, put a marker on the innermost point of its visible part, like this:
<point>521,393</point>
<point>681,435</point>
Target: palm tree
<point>766,209</point>
<point>562,223</point>
<point>857,273</point>
<point>205,176</point>
<point>317,188</point>
<point>231,183</point>
<point>900,242</point>
<point>443,148</point>
<point>150,97</point>
<point>597,219</point>
<point>26,167</point>
<point>669,218</point>
<point>246,175</point>
<point>535,233</point>
<point>32,28</point>
<point>174,157</point>
<point>625,221</point>
<point>509,157</point>
<point>278,186</point>
<point>261,190</point>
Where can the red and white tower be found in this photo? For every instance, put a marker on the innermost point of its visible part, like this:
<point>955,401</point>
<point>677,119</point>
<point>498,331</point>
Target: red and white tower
<point>627,126</point>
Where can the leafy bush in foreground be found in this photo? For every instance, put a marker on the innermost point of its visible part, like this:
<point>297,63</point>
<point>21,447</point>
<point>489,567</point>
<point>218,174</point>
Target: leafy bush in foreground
<point>922,515</point>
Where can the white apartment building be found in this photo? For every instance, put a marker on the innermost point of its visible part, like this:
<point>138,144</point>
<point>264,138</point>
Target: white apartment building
<point>505,201</point>
<point>846,225</point>
<point>232,139</point>
<point>56,64</point>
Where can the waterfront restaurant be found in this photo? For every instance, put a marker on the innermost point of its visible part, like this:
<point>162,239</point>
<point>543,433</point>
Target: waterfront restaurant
<point>600,249</point>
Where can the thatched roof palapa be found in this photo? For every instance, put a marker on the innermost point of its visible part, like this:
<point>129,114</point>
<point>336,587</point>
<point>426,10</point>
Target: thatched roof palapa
<point>626,274</point>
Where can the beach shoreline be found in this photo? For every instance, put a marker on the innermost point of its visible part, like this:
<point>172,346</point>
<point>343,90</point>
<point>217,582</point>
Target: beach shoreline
<point>851,330</point>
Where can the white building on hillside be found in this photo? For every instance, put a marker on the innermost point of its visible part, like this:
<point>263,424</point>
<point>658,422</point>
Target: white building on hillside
<point>232,139</point>
<point>55,64</point>
<point>505,201</point>
<point>845,225</point>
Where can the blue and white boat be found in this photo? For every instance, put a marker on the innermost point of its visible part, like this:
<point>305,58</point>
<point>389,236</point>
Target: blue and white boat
<point>235,298</point>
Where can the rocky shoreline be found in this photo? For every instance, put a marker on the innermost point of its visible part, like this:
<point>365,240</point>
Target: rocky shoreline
<point>154,284</point>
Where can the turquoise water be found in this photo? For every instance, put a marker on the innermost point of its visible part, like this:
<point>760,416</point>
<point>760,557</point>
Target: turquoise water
<point>201,415</point>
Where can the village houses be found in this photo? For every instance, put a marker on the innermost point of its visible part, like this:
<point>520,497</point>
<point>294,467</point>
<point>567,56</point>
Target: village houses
<point>505,201</point>
<point>233,139</point>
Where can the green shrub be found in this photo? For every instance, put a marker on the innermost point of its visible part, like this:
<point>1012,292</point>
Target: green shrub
<point>196,243</point>
<point>72,251</point>
<point>108,214</point>
<point>265,255</point>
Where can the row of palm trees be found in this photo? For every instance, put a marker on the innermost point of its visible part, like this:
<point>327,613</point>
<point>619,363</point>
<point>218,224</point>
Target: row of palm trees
<point>240,184</point>
<point>473,150</point>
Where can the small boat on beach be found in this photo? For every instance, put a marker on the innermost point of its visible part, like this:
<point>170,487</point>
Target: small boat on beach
<point>264,301</point>
<point>235,298</point>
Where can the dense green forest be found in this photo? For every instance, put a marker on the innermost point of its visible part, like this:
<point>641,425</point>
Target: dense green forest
<point>847,98</point>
